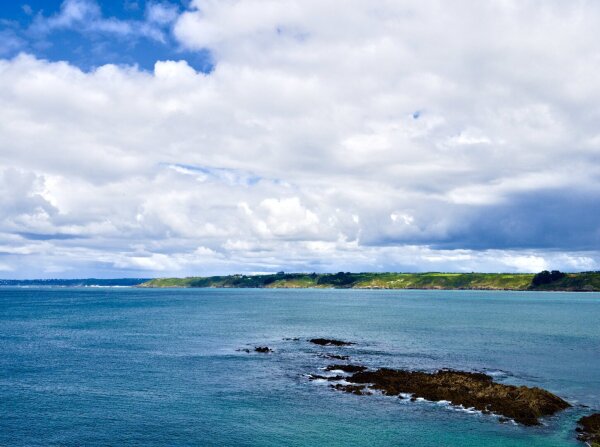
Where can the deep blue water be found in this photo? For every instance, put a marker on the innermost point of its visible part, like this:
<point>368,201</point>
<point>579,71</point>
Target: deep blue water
<point>158,367</point>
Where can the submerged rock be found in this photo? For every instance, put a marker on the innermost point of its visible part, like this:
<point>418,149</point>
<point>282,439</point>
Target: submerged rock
<point>471,390</point>
<point>346,368</point>
<point>589,429</point>
<point>328,378</point>
<point>263,349</point>
<point>329,342</point>
<point>335,356</point>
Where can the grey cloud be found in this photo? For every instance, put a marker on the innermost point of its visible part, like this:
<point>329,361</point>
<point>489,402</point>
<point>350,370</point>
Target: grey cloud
<point>47,237</point>
<point>554,219</point>
<point>560,220</point>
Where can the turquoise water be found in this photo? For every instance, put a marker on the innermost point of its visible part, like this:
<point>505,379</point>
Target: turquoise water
<point>159,367</point>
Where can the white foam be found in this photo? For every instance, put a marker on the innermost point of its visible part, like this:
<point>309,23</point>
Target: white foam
<point>469,410</point>
<point>376,392</point>
<point>406,397</point>
<point>496,373</point>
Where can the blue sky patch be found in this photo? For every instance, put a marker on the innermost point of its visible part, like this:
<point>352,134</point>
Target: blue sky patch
<point>88,34</point>
<point>224,175</point>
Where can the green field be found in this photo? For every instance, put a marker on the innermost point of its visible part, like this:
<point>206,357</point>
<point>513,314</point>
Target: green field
<point>588,281</point>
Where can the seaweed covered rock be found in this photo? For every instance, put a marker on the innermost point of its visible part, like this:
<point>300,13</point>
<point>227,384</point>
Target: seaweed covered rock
<point>472,390</point>
<point>589,429</point>
<point>359,390</point>
<point>329,342</point>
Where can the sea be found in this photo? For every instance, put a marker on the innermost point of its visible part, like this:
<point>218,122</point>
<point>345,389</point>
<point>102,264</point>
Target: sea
<point>169,367</point>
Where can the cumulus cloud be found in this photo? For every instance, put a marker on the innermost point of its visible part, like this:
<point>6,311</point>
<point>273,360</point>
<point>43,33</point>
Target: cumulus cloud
<point>330,136</point>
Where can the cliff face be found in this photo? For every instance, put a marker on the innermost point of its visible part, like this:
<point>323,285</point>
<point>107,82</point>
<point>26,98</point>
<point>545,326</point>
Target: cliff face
<point>589,281</point>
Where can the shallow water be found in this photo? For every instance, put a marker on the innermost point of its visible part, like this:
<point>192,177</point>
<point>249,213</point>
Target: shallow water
<point>159,367</point>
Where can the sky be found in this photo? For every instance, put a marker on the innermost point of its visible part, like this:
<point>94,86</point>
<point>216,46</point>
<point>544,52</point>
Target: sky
<point>175,138</point>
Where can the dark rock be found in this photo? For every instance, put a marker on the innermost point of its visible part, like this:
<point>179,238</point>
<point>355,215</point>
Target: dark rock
<point>353,389</point>
<point>243,350</point>
<point>346,368</point>
<point>471,390</point>
<point>589,429</point>
<point>335,356</point>
<point>329,342</point>
<point>291,339</point>
<point>263,349</point>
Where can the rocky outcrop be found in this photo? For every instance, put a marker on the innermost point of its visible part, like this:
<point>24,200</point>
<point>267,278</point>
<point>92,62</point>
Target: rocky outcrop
<point>471,390</point>
<point>589,429</point>
<point>263,349</point>
<point>329,342</point>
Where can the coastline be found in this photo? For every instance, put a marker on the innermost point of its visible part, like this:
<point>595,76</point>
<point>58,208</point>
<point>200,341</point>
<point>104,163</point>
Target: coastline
<point>571,282</point>
<point>141,286</point>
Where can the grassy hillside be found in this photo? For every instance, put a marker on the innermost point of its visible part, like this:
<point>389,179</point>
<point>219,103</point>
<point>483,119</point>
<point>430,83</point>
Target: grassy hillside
<point>168,282</point>
<point>448,281</point>
<point>589,281</point>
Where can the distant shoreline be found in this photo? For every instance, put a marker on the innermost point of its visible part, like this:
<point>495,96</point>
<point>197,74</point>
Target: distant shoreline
<point>544,281</point>
<point>78,282</point>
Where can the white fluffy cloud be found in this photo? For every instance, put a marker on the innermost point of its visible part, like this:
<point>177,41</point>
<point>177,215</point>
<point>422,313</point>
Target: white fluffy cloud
<point>329,136</point>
